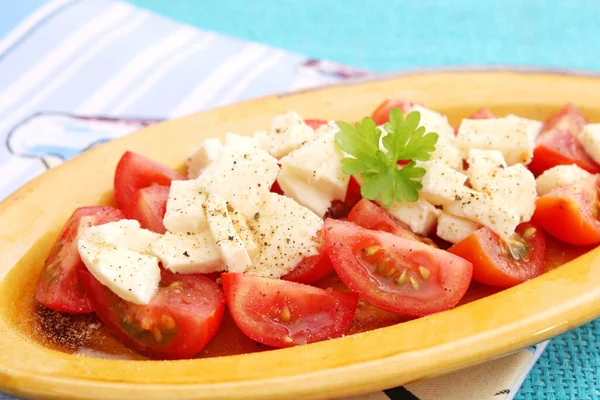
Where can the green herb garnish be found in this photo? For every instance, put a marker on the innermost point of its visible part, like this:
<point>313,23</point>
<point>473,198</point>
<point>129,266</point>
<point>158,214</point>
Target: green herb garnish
<point>381,176</point>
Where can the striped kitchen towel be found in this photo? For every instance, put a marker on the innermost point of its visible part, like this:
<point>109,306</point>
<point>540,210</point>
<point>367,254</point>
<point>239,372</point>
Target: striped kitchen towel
<point>77,73</point>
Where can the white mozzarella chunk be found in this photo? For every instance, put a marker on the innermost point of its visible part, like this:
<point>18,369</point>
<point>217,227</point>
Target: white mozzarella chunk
<point>485,159</point>
<point>242,177</point>
<point>590,140</point>
<point>185,207</point>
<point>559,176</point>
<point>202,156</point>
<point>421,216</point>
<point>509,136</point>
<point>130,275</point>
<point>241,226</point>
<point>288,132</point>
<point>312,175</point>
<point>286,232</point>
<point>189,253</point>
<point>441,184</point>
<point>242,142</point>
<point>515,185</point>
<point>534,127</point>
<point>454,229</point>
<point>485,210</point>
<point>220,225</point>
<point>448,154</point>
<point>125,233</point>
<point>436,122</point>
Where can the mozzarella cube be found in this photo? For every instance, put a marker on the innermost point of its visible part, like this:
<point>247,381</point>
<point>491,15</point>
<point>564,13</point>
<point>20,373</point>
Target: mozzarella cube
<point>125,233</point>
<point>130,275</point>
<point>436,122</point>
<point>448,154</point>
<point>485,159</point>
<point>287,234</point>
<point>242,177</point>
<point>185,207</point>
<point>202,156</point>
<point>509,136</point>
<point>559,176</point>
<point>441,184</point>
<point>454,229</point>
<point>515,185</point>
<point>288,132</point>
<point>480,207</point>
<point>312,175</point>
<point>534,127</point>
<point>189,253</point>
<point>239,141</point>
<point>590,140</point>
<point>233,250</point>
<point>420,216</point>
<point>246,234</point>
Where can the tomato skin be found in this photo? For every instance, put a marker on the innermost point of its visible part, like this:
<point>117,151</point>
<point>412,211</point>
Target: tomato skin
<point>570,213</point>
<point>381,115</point>
<point>340,209</point>
<point>491,264</point>
<point>180,319</point>
<point>280,313</point>
<point>276,188</point>
<point>148,207</point>
<point>569,118</point>
<point>482,113</point>
<point>135,172</point>
<point>310,269</point>
<point>315,123</point>
<point>560,147</point>
<point>368,215</point>
<point>447,280</point>
<point>59,287</point>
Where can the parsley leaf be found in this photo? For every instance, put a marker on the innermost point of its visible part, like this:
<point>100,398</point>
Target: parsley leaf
<point>405,140</point>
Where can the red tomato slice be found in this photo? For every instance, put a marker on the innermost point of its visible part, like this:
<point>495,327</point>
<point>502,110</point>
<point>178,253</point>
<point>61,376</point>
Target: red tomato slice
<point>135,172</point>
<point>310,269</point>
<point>496,263</point>
<point>560,147</point>
<point>569,118</point>
<point>148,207</point>
<point>570,213</point>
<point>283,314</point>
<point>482,113</point>
<point>59,288</point>
<point>368,215</point>
<point>179,321</point>
<point>276,188</point>
<point>340,209</point>
<point>395,273</point>
<point>315,123</point>
<point>381,115</point>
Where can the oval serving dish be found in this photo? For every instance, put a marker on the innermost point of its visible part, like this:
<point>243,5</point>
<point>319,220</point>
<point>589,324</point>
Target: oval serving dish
<point>529,313</point>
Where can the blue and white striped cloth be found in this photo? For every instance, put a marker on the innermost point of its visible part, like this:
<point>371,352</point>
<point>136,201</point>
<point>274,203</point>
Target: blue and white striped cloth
<point>76,73</point>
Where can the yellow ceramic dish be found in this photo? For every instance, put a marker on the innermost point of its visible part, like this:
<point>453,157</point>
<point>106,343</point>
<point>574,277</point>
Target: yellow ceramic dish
<point>31,219</point>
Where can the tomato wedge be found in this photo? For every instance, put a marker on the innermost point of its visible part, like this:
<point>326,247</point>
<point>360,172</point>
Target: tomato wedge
<point>381,115</point>
<point>283,314</point>
<point>482,113</point>
<point>570,213</point>
<point>135,172</point>
<point>310,269</point>
<point>496,263</point>
<point>395,273</point>
<point>340,209</point>
<point>59,288</point>
<point>179,321</point>
<point>148,207</point>
<point>315,123</point>
<point>569,118</point>
<point>368,215</point>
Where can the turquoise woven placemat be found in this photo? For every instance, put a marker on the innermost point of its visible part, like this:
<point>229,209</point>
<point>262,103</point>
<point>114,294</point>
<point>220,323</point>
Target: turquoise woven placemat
<point>390,35</point>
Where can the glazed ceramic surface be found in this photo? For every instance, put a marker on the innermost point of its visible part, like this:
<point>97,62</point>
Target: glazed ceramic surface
<point>31,219</point>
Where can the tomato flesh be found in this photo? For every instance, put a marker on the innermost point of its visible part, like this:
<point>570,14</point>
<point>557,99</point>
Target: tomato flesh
<point>59,287</point>
<point>504,265</point>
<point>315,123</point>
<point>310,269</point>
<point>148,207</point>
<point>135,172</point>
<point>368,215</point>
<point>395,273</point>
<point>569,118</point>
<point>340,209</point>
<point>283,314</point>
<point>177,323</point>
<point>381,115</point>
<point>570,213</point>
<point>482,113</point>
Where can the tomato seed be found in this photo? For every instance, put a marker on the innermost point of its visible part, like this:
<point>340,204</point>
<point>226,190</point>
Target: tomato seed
<point>157,335</point>
<point>146,323</point>
<point>372,250</point>
<point>529,232</point>
<point>288,339</point>
<point>425,273</point>
<point>168,322</point>
<point>414,282</point>
<point>286,315</point>
<point>391,272</point>
<point>401,280</point>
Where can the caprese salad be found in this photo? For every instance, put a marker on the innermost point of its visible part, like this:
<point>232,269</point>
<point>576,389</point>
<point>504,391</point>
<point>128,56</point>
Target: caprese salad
<point>402,207</point>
